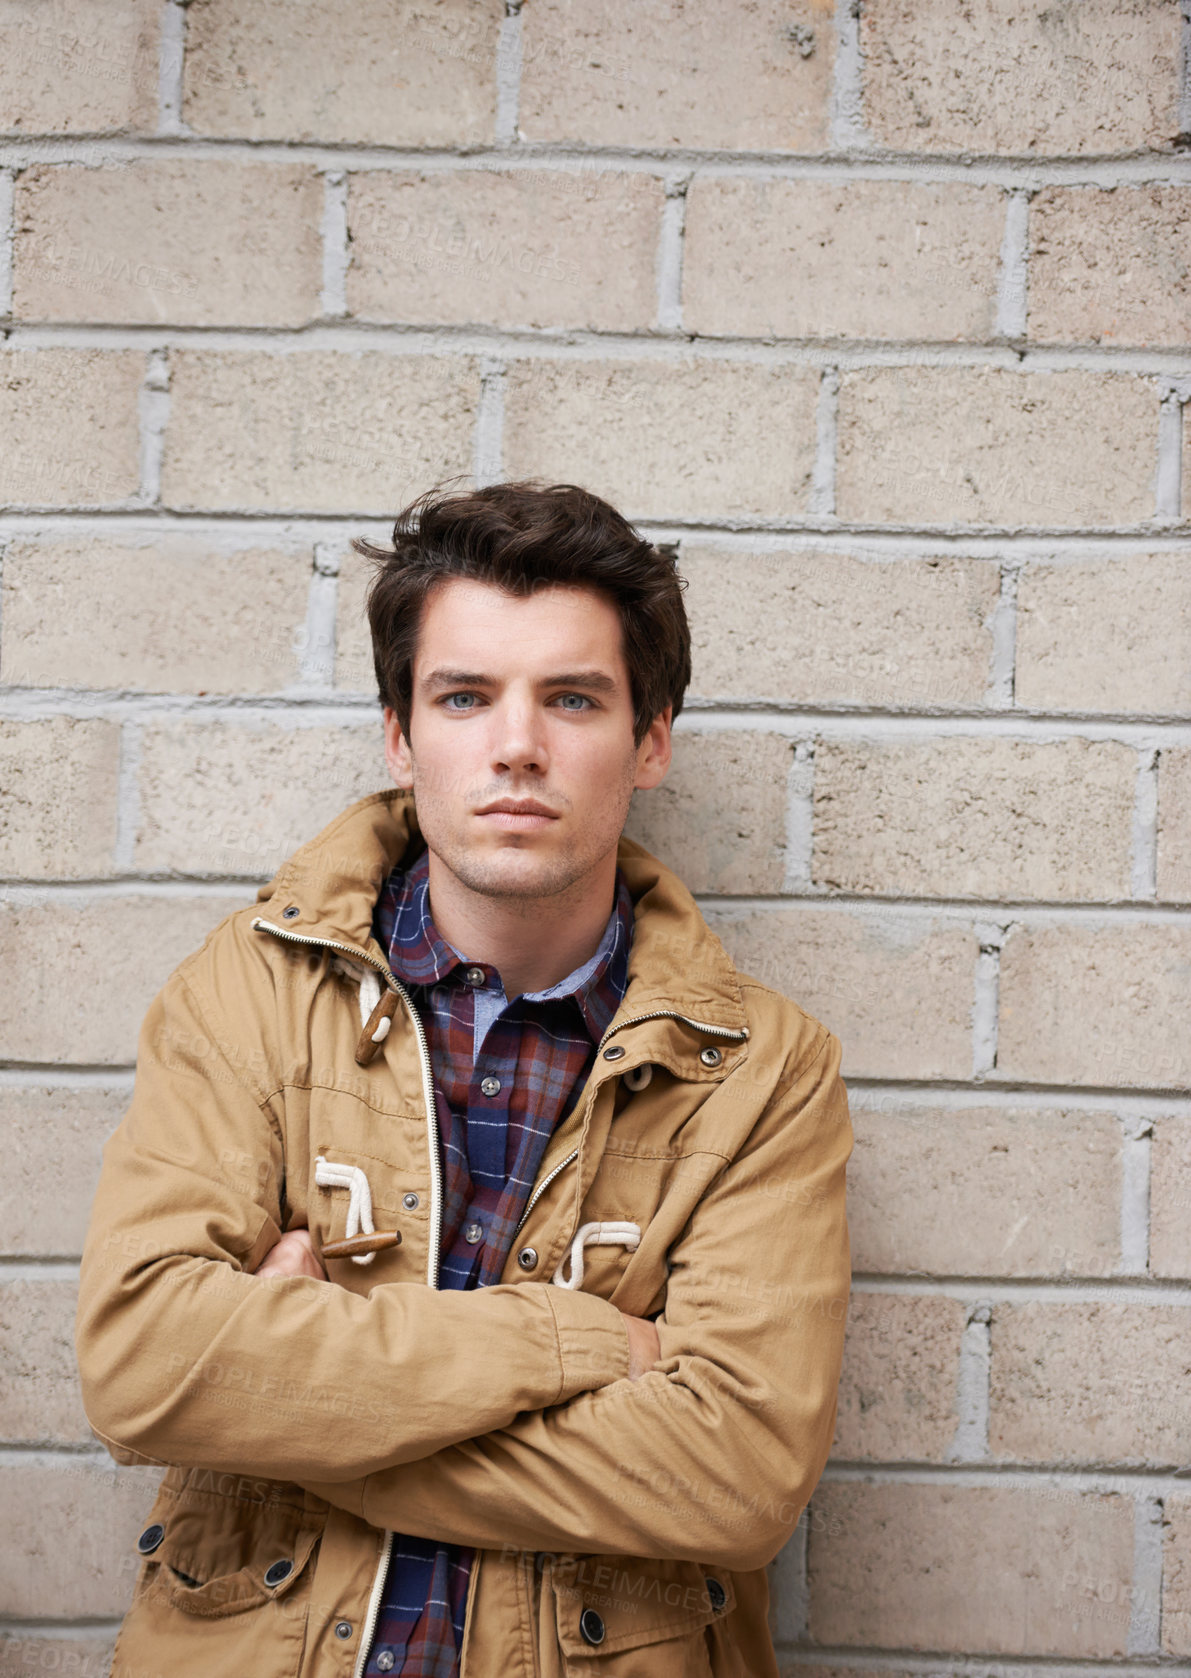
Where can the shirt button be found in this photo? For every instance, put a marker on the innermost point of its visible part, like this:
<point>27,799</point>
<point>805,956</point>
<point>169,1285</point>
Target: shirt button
<point>527,1257</point>
<point>490,1086</point>
<point>474,975</point>
<point>473,1232</point>
<point>386,1661</point>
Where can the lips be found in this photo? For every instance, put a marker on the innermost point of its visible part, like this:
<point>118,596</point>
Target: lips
<point>516,807</point>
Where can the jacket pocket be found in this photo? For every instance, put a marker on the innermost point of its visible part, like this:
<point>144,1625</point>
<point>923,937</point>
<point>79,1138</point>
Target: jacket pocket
<point>620,1618</point>
<point>226,1581</point>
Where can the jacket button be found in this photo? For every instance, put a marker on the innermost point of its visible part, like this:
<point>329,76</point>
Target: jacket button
<point>150,1539</point>
<point>710,1057</point>
<point>292,913</point>
<point>591,1627</point>
<point>280,1570</point>
<point>616,1052</point>
<point>343,1629</point>
<point>410,1201</point>
<point>716,1594</point>
<point>527,1257</point>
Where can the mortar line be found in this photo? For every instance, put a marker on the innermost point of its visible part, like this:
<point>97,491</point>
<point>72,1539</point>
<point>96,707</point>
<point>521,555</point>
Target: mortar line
<point>1143,867</point>
<point>488,436</point>
<point>508,76</point>
<point>822,497</point>
<point>986,986</point>
<point>846,119</point>
<point>153,409</point>
<point>170,60</point>
<point>1168,474</point>
<point>128,796</point>
<point>1145,1605</point>
<point>986,169</point>
<point>316,660</point>
<point>399,341</point>
<point>336,251</point>
<point>1136,1160</point>
<point>668,260</point>
<point>1184,105</point>
<point>7,242</point>
<point>800,803</point>
<point>969,1443</point>
<point>877,545</point>
<point>1012,279</point>
<point>1002,674</point>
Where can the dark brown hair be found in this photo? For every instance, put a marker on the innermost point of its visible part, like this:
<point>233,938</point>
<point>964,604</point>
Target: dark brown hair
<point>520,537</point>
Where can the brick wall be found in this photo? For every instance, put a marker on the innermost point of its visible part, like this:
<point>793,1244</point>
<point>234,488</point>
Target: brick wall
<point>881,314</point>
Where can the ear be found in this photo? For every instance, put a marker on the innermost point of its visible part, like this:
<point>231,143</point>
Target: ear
<point>397,754</point>
<point>654,752</point>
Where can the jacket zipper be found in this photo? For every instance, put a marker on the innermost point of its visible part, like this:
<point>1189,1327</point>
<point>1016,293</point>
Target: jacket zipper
<point>259,923</point>
<point>660,1014</point>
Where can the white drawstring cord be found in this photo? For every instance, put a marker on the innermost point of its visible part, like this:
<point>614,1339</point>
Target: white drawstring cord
<point>611,1234</point>
<point>329,1175</point>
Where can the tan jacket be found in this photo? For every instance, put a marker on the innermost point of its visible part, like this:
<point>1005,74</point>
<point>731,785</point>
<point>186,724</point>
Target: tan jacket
<point>622,1527</point>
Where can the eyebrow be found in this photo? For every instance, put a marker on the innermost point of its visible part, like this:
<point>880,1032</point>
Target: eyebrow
<point>597,681</point>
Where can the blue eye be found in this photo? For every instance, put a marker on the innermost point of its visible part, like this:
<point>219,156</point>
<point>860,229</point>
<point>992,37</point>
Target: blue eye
<point>582,698</point>
<point>448,697</point>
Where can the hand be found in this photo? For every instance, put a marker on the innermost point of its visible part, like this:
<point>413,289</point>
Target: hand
<point>644,1346</point>
<point>293,1255</point>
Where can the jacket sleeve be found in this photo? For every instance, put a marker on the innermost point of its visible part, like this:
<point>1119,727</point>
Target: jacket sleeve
<point>185,1357</point>
<point>713,1455</point>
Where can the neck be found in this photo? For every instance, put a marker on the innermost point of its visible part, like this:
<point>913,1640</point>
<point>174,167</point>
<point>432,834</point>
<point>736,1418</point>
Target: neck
<point>533,942</point>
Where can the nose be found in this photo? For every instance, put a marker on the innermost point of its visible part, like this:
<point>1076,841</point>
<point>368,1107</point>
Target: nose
<point>518,735</point>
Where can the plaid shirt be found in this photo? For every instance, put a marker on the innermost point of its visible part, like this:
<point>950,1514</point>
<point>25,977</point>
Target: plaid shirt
<point>506,1074</point>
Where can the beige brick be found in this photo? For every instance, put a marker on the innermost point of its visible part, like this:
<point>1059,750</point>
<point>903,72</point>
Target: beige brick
<point>963,1191</point>
<point>315,431</point>
<point>53,1135</point>
<point>689,439</point>
<point>1174,825</point>
<point>70,1537</point>
<point>353,639</point>
<point>870,259</point>
<point>897,1387</point>
<point>88,1656</point>
<point>719,817</point>
<point>1090,1383</point>
<point>974,818</point>
<point>176,615</point>
<point>543,247</point>
<point>69,420</point>
<point>822,628</point>
<point>234,798</point>
<point>608,72</point>
<point>406,72</point>
<point>1110,265</point>
<point>1096,1004</point>
<point>896,989</point>
<point>1176,1576</point>
<point>87,968</point>
<point>1170,1198</point>
<point>57,798</point>
<point>201,244</point>
<point>79,69</point>
<point>983,445</point>
<point>1032,79</point>
<point>1106,634</point>
<point>39,1396</point>
<point>998,1569</point>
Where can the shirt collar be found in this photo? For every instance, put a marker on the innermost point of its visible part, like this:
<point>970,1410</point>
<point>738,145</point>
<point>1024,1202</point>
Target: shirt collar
<point>420,956</point>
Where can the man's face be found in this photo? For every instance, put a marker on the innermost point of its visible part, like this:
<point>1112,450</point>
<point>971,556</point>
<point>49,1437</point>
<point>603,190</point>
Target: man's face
<point>518,700</point>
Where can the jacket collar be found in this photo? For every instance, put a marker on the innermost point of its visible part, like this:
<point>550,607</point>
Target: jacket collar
<point>676,963</point>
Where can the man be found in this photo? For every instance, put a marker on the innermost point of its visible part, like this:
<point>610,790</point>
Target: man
<point>473,1254</point>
